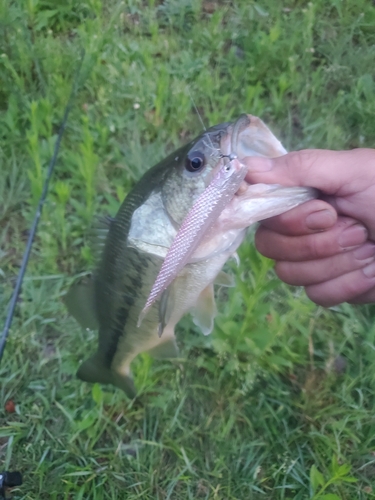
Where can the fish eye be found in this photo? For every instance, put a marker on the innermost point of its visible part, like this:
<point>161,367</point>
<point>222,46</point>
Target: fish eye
<point>195,161</point>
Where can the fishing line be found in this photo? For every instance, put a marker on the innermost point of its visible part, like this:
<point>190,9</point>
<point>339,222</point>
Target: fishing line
<point>26,255</point>
<point>196,109</point>
<point>200,119</point>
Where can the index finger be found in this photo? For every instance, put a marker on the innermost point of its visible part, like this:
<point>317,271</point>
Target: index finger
<point>339,173</point>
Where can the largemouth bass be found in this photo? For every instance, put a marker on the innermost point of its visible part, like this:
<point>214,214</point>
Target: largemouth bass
<point>137,241</point>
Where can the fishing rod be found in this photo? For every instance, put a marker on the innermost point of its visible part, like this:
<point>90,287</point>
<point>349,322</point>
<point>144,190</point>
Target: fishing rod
<point>38,213</point>
<point>9,480</point>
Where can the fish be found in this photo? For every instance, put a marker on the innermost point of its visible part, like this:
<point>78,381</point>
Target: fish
<point>117,297</point>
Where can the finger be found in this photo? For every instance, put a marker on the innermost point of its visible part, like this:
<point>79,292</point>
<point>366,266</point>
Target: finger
<point>333,172</point>
<point>365,298</point>
<point>345,288</point>
<point>310,217</point>
<point>318,271</point>
<point>344,235</point>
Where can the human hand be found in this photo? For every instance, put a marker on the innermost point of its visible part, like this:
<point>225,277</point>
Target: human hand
<point>326,246</point>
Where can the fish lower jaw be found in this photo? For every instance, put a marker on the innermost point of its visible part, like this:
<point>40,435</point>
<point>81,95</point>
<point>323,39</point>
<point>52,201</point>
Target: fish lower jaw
<point>261,201</point>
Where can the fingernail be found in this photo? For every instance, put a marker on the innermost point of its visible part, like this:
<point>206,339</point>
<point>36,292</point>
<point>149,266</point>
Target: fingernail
<point>369,271</point>
<point>353,235</point>
<point>257,164</point>
<point>321,219</point>
<point>365,251</point>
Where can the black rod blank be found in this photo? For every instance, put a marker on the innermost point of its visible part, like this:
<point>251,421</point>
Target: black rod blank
<point>33,229</point>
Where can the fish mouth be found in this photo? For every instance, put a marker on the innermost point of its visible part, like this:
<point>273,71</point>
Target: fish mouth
<point>242,122</point>
<point>249,136</point>
<point>230,144</point>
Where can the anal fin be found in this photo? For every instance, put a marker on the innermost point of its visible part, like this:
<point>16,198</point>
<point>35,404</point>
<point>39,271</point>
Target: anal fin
<point>94,370</point>
<point>205,310</point>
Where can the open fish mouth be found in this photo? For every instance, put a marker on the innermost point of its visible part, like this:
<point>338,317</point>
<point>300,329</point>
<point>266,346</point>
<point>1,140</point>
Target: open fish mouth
<point>249,136</point>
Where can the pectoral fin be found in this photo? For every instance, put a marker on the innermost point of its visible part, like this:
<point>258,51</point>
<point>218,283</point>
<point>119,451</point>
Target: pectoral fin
<point>165,309</point>
<point>80,302</point>
<point>94,370</point>
<point>205,310</point>
<point>224,279</point>
<point>236,258</point>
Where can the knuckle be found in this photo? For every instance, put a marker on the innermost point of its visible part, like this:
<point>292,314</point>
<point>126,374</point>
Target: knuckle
<point>303,160</point>
<point>321,245</point>
<point>312,247</point>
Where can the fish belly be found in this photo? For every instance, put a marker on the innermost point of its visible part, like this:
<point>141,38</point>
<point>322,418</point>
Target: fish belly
<point>184,296</point>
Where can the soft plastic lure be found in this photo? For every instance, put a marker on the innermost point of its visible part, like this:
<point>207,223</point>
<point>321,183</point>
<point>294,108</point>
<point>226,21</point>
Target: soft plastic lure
<point>200,218</point>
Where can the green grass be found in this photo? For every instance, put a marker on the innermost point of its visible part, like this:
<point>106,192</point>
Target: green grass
<point>260,409</point>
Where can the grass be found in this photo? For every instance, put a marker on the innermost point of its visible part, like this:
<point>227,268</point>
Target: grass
<point>264,407</point>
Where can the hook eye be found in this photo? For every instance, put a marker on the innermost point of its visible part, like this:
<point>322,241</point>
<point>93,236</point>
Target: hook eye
<point>231,156</point>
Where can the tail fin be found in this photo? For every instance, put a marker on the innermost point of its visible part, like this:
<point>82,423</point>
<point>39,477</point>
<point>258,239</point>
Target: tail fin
<point>94,370</point>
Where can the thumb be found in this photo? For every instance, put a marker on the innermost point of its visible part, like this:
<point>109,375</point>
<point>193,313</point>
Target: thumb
<point>339,173</point>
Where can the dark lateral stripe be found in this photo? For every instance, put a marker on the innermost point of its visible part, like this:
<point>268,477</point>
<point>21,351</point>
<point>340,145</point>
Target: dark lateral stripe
<point>120,270</point>
<point>137,265</point>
